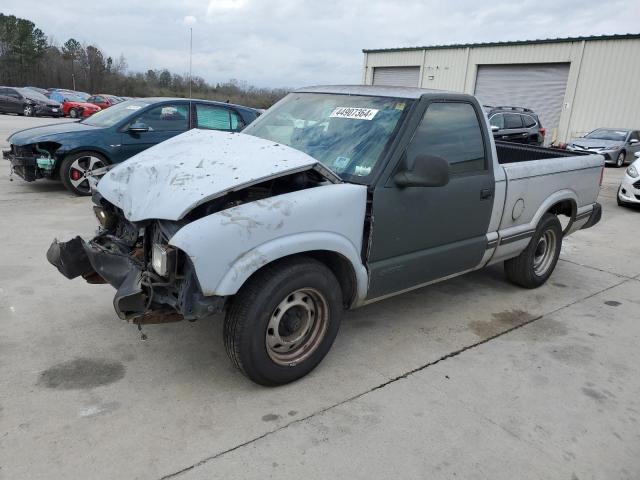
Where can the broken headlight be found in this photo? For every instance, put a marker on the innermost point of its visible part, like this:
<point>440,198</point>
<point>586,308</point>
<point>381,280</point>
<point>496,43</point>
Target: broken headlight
<point>163,259</point>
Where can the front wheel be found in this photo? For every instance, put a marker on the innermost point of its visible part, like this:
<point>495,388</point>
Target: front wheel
<point>28,111</point>
<point>76,171</point>
<point>73,113</point>
<point>283,321</point>
<point>536,263</point>
<point>620,159</point>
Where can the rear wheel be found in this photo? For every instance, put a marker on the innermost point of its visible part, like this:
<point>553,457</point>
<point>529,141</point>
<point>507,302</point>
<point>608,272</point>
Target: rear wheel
<point>73,113</point>
<point>77,169</point>
<point>283,321</point>
<point>536,263</point>
<point>620,159</point>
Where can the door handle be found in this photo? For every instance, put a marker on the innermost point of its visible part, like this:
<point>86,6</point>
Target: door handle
<point>486,193</point>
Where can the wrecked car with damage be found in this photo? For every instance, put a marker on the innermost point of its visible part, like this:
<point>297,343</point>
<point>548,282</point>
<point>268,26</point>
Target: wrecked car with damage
<point>78,152</point>
<point>336,197</point>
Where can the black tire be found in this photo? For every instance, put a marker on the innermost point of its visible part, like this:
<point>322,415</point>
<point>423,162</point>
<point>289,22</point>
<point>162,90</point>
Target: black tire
<point>28,111</point>
<point>249,322</point>
<point>620,159</point>
<point>533,267</point>
<point>80,186</point>
<point>73,113</point>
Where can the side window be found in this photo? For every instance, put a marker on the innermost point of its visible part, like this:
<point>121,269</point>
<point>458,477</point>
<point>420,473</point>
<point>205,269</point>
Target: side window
<point>451,130</point>
<point>512,120</point>
<point>497,121</point>
<point>212,117</point>
<point>167,118</point>
<point>528,121</point>
<point>13,94</point>
<point>98,99</point>
<point>634,135</point>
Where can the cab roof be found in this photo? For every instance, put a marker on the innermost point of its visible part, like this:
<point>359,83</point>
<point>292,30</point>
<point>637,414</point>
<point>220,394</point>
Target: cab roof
<point>373,90</point>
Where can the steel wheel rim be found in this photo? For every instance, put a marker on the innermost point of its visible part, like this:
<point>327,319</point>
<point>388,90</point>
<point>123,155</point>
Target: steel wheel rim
<point>544,253</point>
<point>297,327</point>
<point>84,168</point>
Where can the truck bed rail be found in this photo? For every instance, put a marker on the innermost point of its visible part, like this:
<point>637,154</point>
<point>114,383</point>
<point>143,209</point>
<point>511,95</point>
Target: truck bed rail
<point>509,152</point>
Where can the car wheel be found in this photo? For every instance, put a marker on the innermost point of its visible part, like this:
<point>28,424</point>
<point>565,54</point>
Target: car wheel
<point>73,113</point>
<point>28,111</point>
<point>536,263</point>
<point>620,159</point>
<point>77,169</point>
<point>283,321</point>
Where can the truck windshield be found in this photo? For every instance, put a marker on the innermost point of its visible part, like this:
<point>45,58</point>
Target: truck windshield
<point>346,133</point>
<point>608,134</point>
<point>110,116</point>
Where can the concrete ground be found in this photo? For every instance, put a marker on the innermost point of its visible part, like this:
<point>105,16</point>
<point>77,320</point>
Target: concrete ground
<point>473,378</point>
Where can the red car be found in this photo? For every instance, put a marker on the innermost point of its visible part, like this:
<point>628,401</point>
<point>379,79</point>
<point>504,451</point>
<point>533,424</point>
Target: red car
<point>103,101</point>
<point>74,106</point>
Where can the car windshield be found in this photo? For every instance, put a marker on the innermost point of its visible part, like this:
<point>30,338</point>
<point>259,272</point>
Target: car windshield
<point>113,115</point>
<point>346,133</point>
<point>609,134</point>
<point>70,97</point>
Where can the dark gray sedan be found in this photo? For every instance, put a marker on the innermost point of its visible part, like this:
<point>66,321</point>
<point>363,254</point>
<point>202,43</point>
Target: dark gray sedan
<point>617,145</point>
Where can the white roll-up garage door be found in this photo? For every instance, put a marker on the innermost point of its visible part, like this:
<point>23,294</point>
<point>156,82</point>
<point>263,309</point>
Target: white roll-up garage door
<point>396,76</point>
<point>540,87</point>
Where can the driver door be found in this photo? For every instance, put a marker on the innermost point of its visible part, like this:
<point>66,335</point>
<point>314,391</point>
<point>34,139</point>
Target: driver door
<point>163,122</point>
<point>422,233</point>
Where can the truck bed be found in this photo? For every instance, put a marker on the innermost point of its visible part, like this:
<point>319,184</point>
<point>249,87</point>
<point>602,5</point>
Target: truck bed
<point>509,152</point>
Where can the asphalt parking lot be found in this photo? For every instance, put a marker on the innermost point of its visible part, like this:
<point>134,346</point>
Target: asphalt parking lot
<point>472,378</point>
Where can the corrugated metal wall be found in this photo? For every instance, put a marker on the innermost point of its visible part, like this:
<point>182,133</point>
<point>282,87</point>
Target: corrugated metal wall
<point>601,86</point>
<point>608,90</point>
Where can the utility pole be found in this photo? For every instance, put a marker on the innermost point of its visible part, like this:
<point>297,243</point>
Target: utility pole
<point>190,56</point>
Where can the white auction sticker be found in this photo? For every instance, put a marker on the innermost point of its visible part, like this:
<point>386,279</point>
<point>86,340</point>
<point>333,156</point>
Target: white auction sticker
<point>354,113</point>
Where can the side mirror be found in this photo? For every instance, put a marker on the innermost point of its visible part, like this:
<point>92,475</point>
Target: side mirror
<point>633,141</point>
<point>637,154</point>
<point>494,128</point>
<point>427,171</point>
<point>138,127</point>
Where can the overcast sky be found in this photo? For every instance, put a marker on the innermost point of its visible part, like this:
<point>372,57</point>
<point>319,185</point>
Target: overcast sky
<point>303,42</point>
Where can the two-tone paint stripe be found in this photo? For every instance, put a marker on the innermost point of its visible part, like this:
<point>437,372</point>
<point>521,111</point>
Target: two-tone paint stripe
<point>516,237</point>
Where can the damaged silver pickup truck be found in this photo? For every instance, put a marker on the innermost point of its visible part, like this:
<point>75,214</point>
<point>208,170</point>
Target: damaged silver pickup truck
<point>334,198</point>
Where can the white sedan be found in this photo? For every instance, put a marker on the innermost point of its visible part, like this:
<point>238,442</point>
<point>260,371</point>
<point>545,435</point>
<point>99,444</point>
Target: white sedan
<point>629,190</point>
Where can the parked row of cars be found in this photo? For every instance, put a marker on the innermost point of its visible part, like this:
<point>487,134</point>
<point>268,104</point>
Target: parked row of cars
<point>35,101</point>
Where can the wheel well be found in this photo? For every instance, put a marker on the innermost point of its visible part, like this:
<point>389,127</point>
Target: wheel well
<point>567,208</point>
<point>342,269</point>
<point>61,157</point>
<point>338,264</point>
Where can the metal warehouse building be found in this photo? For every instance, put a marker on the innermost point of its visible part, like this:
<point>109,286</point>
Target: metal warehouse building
<point>574,84</point>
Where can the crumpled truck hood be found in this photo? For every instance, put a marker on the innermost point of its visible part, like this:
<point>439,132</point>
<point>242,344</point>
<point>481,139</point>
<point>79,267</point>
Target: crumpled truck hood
<point>170,179</point>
